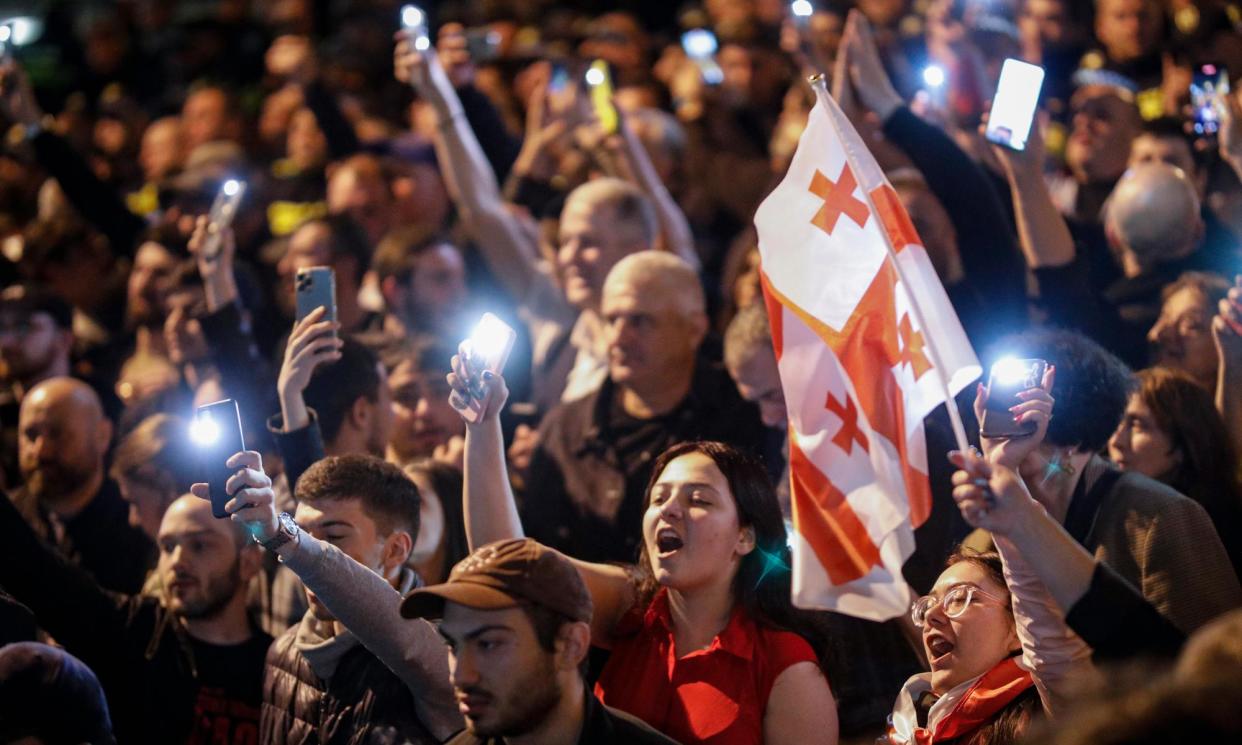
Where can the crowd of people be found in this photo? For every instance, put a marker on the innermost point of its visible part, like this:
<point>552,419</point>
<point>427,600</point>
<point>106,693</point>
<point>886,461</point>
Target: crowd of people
<point>591,545</point>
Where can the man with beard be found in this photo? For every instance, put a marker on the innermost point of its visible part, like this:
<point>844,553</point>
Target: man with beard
<point>516,617</point>
<point>186,667</point>
<point>67,497</point>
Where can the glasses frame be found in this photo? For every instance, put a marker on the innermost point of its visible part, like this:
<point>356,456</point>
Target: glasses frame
<point>970,590</point>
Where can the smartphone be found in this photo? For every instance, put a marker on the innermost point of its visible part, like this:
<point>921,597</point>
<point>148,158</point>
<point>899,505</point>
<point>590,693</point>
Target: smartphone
<point>559,79</point>
<point>414,19</point>
<point>1007,379</point>
<point>220,218</point>
<point>599,83</point>
<point>1013,107</point>
<point>483,44</point>
<point>315,287</point>
<point>487,348</point>
<point>217,435</point>
<point>1210,82</point>
<point>700,45</point>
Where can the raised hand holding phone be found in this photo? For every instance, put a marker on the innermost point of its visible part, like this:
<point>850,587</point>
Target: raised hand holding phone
<point>1020,403</point>
<point>1013,106</point>
<point>217,434</point>
<point>220,218</point>
<point>479,391</point>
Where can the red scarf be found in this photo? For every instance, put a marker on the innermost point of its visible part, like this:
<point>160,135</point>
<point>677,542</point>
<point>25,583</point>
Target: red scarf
<point>990,693</point>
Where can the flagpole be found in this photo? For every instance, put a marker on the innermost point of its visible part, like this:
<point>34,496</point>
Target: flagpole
<point>819,83</point>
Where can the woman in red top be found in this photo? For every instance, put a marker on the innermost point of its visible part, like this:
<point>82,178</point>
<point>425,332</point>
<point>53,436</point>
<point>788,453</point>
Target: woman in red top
<point>699,629</point>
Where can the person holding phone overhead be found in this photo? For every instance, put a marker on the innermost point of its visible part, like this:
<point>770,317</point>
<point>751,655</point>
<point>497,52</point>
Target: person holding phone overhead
<point>700,629</point>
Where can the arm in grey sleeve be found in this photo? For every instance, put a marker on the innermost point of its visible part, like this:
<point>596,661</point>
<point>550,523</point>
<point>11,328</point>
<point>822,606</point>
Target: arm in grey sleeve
<point>368,606</point>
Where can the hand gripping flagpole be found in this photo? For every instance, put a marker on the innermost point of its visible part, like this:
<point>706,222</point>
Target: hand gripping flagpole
<point>820,83</point>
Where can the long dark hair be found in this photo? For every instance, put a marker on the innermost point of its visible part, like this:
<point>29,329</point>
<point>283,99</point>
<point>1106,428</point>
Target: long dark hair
<point>762,583</point>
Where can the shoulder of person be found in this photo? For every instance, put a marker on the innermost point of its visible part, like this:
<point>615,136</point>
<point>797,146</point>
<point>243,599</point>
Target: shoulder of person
<point>630,729</point>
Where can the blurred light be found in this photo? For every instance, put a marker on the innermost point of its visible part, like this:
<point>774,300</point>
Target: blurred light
<point>595,76</point>
<point>1209,69</point>
<point>422,43</point>
<point>411,16</point>
<point>802,8</point>
<point>204,430</point>
<point>6,33</point>
<point>489,338</point>
<point>933,76</point>
<point>230,187</point>
<point>1010,370</point>
<point>699,43</point>
<point>24,30</point>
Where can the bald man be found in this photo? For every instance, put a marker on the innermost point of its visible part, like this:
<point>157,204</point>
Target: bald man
<point>183,667</point>
<point>67,496</point>
<point>595,454</point>
<point>1152,218</point>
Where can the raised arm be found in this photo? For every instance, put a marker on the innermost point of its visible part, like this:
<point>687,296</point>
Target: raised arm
<point>674,227</point>
<point>360,599</point>
<point>994,497</point>
<point>1227,331</point>
<point>510,250</point>
<point>491,510</point>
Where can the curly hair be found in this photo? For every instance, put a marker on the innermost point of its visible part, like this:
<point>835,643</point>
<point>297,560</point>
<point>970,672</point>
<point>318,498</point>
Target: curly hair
<point>388,496</point>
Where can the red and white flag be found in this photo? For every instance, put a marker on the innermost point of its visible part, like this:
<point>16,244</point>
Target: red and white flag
<point>856,365</point>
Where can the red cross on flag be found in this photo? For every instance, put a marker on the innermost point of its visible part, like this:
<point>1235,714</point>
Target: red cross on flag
<point>867,345</point>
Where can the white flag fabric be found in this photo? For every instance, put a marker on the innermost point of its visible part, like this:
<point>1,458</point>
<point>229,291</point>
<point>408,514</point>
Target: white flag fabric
<point>855,365</point>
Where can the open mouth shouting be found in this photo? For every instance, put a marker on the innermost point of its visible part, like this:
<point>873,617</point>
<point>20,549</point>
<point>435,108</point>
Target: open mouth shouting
<point>668,542</point>
<point>938,648</point>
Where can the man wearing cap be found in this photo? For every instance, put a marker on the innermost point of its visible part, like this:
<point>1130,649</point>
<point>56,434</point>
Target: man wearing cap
<point>516,616</point>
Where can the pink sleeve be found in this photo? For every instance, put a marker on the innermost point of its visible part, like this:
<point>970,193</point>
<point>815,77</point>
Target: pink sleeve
<point>1055,655</point>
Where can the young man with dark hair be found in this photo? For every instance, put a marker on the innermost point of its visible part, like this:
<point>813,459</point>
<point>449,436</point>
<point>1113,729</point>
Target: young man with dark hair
<point>422,277</point>
<point>338,242</point>
<point>356,597</point>
<point>422,418</point>
<point>321,683</point>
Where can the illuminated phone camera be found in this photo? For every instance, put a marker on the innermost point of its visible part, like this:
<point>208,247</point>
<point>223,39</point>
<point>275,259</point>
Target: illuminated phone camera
<point>413,18</point>
<point>933,76</point>
<point>489,338</point>
<point>1012,372</point>
<point>204,430</point>
<point>595,76</point>
<point>699,43</point>
<point>801,9</point>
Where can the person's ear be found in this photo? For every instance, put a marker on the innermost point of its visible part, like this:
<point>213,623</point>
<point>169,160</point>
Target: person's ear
<point>360,414</point>
<point>396,551</point>
<point>746,541</point>
<point>573,643</point>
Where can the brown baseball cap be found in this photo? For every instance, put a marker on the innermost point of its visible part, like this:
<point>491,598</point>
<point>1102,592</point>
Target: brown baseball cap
<point>506,574</point>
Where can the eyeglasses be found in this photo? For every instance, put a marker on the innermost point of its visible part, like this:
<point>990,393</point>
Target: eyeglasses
<point>954,603</point>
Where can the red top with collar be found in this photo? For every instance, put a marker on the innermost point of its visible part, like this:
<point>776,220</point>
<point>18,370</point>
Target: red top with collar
<point>715,696</point>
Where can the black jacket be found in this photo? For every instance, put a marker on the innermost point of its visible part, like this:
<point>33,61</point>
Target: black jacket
<point>99,539</point>
<point>601,726</point>
<point>587,482</point>
<point>360,702</point>
<point>163,686</point>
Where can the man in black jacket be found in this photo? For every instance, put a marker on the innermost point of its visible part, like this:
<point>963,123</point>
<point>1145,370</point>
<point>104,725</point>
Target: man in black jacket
<point>591,468</point>
<point>521,597</point>
<point>183,668</point>
<point>67,497</point>
<point>322,685</point>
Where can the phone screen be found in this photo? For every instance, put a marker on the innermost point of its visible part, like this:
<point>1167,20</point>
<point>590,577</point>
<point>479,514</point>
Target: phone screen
<point>487,348</point>
<point>1007,379</point>
<point>217,435</point>
<point>599,82</point>
<point>559,79</point>
<point>1209,82</point>
<point>1013,108</point>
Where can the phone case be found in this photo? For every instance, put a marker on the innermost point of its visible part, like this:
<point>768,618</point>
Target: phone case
<point>228,441</point>
<point>499,339</point>
<point>315,287</point>
<point>997,419</point>
<point>601,98</point>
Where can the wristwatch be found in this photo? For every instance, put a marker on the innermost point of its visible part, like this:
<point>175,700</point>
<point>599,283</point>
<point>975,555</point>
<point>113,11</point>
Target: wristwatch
<point>286,530</point>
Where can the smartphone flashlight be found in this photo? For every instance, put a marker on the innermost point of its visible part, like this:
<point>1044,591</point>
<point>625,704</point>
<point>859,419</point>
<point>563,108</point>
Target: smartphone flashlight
<point>801,9</point>
<point>414,19</point>
<point>595,76</point>
<point>223,210</point>
<point>1009,377</point>
<point>933,76</point>
<point>204,431</point>
<point>487,348</point>
<point>217,434</point>
<point>599,82</point>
